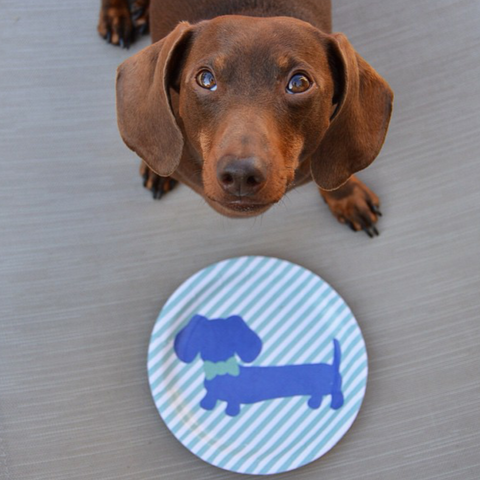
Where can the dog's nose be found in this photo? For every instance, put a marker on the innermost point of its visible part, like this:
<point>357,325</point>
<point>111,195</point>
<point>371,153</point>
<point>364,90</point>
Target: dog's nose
<point>241,177</point>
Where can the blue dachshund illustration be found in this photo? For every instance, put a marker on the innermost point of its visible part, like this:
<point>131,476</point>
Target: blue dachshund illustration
<point>218,341</point>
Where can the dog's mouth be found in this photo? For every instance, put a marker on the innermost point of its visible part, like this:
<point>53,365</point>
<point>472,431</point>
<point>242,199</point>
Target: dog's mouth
<point>244,206</point>
<point>241,206</point>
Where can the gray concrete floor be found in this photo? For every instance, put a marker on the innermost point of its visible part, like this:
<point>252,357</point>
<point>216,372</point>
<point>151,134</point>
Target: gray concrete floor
<point>88,259</point>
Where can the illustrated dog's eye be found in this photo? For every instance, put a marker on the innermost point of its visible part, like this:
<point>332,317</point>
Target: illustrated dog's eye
<point>206,80</point>
<point>298,83</point>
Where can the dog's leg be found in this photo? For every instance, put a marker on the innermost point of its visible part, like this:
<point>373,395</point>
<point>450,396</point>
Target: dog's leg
<point>315,401</point>
<point>208,402</point>
<point>355,205</point>
<point>156,184</point>
<point>233,409</point>
<point>119,25</point>
<point>115,23</point>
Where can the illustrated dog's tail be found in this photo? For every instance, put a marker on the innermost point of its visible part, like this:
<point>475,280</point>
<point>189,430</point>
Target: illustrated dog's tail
<point>337,395</point>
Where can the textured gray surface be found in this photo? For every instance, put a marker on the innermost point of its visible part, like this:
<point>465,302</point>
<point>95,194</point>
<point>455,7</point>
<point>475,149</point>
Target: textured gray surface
<point>88,259</point>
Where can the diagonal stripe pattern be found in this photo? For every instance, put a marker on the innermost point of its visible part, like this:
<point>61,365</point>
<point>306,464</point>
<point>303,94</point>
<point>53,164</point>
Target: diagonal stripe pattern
<point>297,315</point>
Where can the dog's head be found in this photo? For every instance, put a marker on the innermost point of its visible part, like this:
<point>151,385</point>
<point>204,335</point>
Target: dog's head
<point>217,340</point>
<point>251,99</point>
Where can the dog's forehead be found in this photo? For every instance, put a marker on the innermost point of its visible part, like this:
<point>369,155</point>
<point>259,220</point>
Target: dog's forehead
<point>234,40</point>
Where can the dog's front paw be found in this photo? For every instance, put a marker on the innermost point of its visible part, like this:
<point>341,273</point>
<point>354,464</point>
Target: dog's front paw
<point>355,205</point>
<point>156,184</point>
<point>115,24</point>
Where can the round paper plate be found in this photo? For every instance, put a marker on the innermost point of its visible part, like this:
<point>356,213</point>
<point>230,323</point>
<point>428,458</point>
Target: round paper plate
<point>257,365</point>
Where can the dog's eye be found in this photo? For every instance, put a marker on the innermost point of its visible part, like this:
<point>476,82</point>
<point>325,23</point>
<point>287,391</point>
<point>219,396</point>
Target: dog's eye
<point>298,83</point>
<point>206,80</point>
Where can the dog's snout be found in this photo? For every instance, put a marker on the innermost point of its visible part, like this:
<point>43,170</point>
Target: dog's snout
<point>241,177</point>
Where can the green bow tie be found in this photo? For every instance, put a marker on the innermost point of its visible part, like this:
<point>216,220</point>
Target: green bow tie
<point>228,367</point>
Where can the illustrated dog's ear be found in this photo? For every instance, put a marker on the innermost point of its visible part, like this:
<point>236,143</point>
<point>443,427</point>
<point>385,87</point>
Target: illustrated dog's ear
<point>188,341</point>
<point>359,124</point>
<point>247,343</point>
<point>144,113</point>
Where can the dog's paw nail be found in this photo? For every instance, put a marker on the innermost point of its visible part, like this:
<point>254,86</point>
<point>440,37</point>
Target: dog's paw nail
<point>368,232</point>
<point>374,208</point>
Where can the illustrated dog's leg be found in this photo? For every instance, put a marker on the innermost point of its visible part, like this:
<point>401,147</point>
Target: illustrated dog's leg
<point>233,409</point>
<point>315,401</point>
<point>337,395</point>
<point>337,400</point>
<point>156,184</point>
<point>208,402</point>
<point>355,205</point>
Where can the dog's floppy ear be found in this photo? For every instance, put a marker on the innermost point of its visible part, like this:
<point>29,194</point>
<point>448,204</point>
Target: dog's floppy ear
<point>144,113</point>
<point>247,343</point>
<point>359,124</point>
<point>188,341</point>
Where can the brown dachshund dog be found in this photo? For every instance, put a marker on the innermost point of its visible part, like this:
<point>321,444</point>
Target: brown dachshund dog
<point>243,100</point>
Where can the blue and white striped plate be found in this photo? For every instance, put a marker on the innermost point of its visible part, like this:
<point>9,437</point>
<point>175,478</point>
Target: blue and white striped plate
<point>257,365</point>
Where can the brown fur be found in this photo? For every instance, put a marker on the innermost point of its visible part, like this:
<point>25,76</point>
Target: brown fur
<point>253,47</point>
